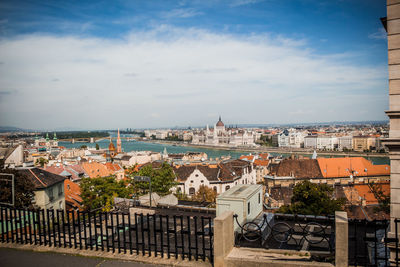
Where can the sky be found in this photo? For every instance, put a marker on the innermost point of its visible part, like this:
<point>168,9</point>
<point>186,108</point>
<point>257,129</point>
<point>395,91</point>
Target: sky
<point>146,64</point>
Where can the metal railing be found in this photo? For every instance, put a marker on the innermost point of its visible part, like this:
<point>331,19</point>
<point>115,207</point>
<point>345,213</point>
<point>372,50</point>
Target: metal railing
<point>152,234</point>
<point>297,232</point>
<point>370,243</point>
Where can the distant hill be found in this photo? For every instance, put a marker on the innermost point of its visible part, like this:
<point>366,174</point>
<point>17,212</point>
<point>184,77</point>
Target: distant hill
<point>4,129</point>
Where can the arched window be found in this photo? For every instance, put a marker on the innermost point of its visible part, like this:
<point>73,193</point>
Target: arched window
<point>227,187</point>
<point>192,191</point>
<point>215,188</point>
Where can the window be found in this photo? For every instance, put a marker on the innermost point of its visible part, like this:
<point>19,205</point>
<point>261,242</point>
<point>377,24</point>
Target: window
<point>201,181</point>
<point>68,187</point>
<point>215,188</point>
<point>191,181</point>
<point>51,195</point>
<point>60,189</point>
<point>248,208</point>
<point>227,187</point>
<point>196,175</point>
<point>259,198</point>
<point>192,191</point>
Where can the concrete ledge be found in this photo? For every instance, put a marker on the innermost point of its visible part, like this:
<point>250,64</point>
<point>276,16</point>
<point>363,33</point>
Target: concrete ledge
<point>249,257</point>
<point>109,255</point>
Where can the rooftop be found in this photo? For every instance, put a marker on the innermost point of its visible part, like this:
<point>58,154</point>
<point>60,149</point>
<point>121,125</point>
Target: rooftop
<point>240,191</point>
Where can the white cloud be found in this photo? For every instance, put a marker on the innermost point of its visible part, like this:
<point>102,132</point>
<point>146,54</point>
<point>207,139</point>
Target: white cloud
<point>171,76</point>
<point>236,3</point>
<point>182,13</point>
<point>378,35</point>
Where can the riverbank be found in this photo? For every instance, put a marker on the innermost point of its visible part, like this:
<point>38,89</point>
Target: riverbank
<point>276,150</point>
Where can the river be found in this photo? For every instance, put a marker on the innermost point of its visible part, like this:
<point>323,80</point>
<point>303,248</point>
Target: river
<point>128,146</point>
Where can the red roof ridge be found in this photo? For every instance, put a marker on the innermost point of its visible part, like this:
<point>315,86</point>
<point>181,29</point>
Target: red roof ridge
<point>38,178</point>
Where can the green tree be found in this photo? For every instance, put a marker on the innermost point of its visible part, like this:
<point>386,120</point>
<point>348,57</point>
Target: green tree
<point>312,199</point>
<point>97,146</point>
<point>266,140</point>
<point>162,179</point>
<point>100,192</point>
<point>383,199</point>
<point>24,188</point>
<point>41,162</point>
<point>205,193</point>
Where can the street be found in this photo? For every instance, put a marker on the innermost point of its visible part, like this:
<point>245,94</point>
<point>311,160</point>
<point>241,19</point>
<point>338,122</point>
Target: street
<point>22,258</point>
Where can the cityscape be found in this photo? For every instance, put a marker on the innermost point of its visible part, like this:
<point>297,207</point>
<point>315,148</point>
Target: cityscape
<point>115,149</point>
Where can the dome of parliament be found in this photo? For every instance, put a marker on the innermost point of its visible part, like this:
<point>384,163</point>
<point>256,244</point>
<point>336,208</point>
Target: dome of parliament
<point>220,123</point>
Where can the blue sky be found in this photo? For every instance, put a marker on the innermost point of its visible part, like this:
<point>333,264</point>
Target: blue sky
<point>103,64</point>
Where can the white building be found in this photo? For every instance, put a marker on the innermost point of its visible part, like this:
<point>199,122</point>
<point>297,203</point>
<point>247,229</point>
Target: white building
<point>345,142</point>
<point>49,188</point>
<point>219,177</point>
<point>292,139</point>
<point>137,157</point>
<point>310,141</point>
<point>325,142</point>
<point>220,136</point>
<point>246,201</point>
<point>321,142</point>
<point>12,156</point>
<point>46,142</point>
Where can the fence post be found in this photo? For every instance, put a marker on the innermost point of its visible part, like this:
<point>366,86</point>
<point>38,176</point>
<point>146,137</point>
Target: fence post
<point>342,239</point>
<point>223,237</point>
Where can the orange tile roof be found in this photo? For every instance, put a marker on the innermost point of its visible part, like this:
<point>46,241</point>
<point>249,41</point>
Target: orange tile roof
<point>113,167</point>
<point>264,155</point>
<point>344,167</point>
<point>249,157</point>
<point>365,192</point>
<point>95,169</point>
<point>261,162</point>
<point>72,193</point>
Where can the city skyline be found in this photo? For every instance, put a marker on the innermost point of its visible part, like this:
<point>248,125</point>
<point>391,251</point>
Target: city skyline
<point>97,65</point>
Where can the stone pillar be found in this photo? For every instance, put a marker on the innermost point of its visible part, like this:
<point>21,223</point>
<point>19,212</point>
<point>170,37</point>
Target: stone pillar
<point>393,142</point>
<point>223,237</point>
<point>341,239</point>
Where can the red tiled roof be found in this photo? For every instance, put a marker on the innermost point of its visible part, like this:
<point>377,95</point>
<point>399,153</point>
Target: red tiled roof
<point>95,169</point>
<point>72,194</point>
<point>356,166</point>
<point>261,162</point>
<point>113,167</point>
<point>248,157</point>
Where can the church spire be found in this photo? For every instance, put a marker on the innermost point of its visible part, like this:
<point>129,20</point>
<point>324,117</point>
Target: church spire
<point>119,146</point>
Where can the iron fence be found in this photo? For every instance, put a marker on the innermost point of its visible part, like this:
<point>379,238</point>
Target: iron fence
<point>152,234</point>
<point>284,231</point>
<point>371,243</point>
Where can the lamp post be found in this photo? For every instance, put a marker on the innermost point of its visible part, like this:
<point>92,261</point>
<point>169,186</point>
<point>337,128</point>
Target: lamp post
<point>144,179</point>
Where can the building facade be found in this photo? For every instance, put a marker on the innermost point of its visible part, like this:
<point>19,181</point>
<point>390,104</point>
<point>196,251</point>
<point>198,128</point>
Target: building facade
<point>220,136</point>
<point>220,177</point>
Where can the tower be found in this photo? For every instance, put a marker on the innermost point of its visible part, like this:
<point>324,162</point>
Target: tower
<point>111,148</point>
<point>393,142</point>
<point>119,147</point>
<point>165,154</point>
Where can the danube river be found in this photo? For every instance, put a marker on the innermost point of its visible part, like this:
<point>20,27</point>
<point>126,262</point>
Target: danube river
<point>128,146</point>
